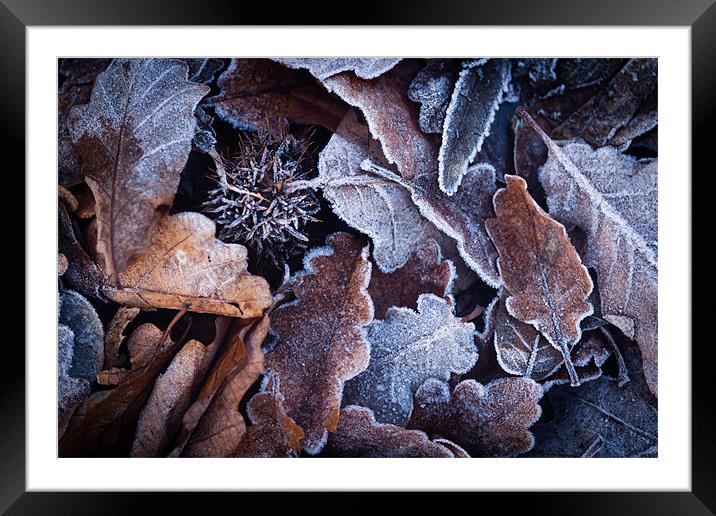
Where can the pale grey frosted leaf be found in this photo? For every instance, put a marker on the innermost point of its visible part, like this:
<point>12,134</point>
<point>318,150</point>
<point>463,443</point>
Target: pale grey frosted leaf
<point>71,391</point>
<point>379,208</point>
<point>407,348</point>
<point>324,67</point>
<point>461,216</point>
<point>521,349</point>
<point>477,95</point>
<point>600,419</point>
<point>78,315</point>
<point>432,88</point>
<point>134,138</point>
<point>613,198</point>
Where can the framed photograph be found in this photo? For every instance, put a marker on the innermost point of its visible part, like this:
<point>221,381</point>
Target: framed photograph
<point>320,257</point>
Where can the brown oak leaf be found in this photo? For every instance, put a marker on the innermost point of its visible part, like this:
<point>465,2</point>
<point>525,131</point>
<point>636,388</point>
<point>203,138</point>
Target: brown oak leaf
<point>425,272</point>
<point>612,197</point>
<point>134,139</point>
<point>540,268</point>
<point>259,93</point>
<point>272,432</point>
<point>221,427</point>
<point>321,340</point>
<point>360,435</point>
<point>392,117</point>
<point>488,420</point>
<point>186,265</point>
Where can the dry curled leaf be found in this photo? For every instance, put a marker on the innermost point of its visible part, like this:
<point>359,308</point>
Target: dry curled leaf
<point>460,217</point>
<point>272,432</point>
<point>105,424</point>
<point>186,265</point>
<point>612,108</point>
<point>407,348</point>
<point>360,435</point>
<point>82,273</point>
<point>379,208</point>
<point>391,116</point>
<point>321,341</point>
<point>613,199</point>
<point>540,268</point>
<point>601,419</point>
<point>490,420</point>
<point>477,95</point>
<point>114,336</point>
<point>322,68</point>
<point>259,93</point>
<point>133,139</point>
<point>161,415</point>
<point>221,427</point>
<point>425,272</point>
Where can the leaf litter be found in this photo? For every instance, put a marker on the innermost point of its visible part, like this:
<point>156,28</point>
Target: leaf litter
<point>475,274</point>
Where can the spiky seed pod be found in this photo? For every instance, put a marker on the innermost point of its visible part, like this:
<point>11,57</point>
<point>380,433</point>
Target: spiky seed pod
<point>252,205</point>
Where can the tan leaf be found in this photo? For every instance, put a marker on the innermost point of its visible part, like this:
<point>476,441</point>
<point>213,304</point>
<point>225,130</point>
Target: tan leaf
<point>540,268</point>
<point>272,432</point>
<point>134,138</point>
<point>161,415</point>
<point>360,435</point>
<point>613,198</point>
<point>488,420</point>
<point>221,426</point>
<point>392,118</point>
<point>425,272</point>
<point>106,424</point>
<point>259,92</point>
<point>186,265</point>
<point>321,341</point>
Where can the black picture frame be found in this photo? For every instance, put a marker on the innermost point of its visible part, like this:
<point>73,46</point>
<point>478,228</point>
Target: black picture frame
<point>17,15</point>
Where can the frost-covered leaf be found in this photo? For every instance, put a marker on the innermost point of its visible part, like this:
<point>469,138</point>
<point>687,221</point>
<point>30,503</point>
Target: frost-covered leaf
<point>134,138</point>
<point>321,335</point>
<point>588,357</point>
<point>71,391</point>
<point>407,348</point>
<point>82,273</point>
<point>380,209</point>
<point>186,265</point>
<point>391,116</point>
<point>522,350</point>
<point>360,435</point>
<point>203,70</point>
<point>78,315</point>
<point>221,427</point>
<point>432,87</point>
<point>272,432</point>
<point>259,93</point>
<point>613,199</point>
<point>324,67</point>
<point>424,273</point>
<point>79,75</point>
<point>474,102</point>
<point>613,107</point>
<point>490,420</point>
<point>540,268</point>
<point>162,413</point>
<point>460,217</point>
<point>105,423</point>
<point>600,419</point>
